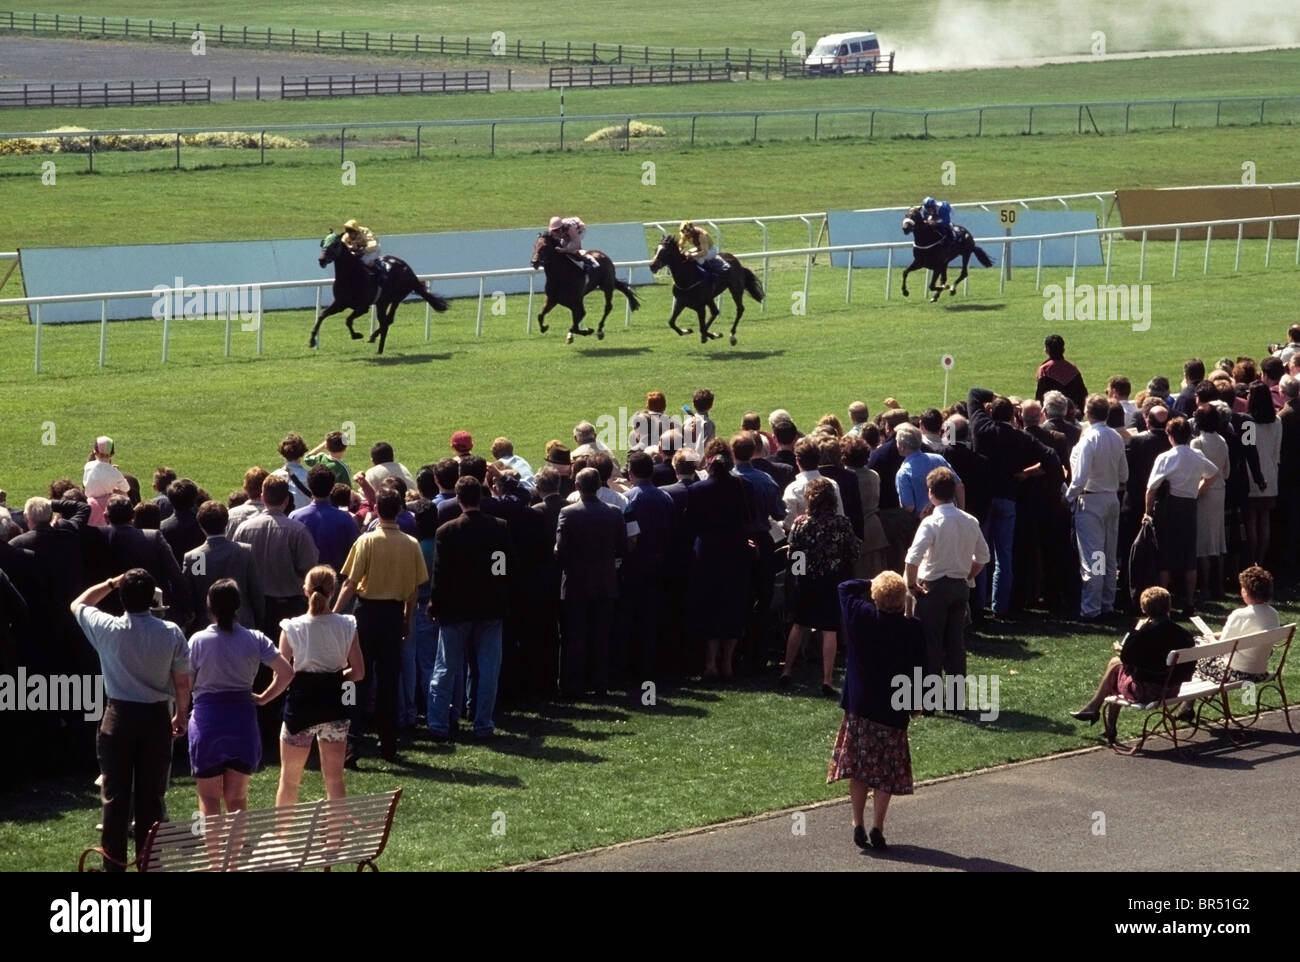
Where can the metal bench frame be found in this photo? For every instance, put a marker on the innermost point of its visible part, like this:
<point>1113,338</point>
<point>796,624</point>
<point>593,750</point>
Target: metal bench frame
<point>1208,696</point>
<point>310,835</point>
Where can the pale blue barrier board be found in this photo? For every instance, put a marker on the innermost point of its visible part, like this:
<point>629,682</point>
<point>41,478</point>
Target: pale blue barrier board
<point>49,271</point>
<point>885,227</point>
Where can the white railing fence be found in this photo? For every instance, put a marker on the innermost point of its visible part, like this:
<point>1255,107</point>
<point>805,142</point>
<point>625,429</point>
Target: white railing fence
<point>808,253</point>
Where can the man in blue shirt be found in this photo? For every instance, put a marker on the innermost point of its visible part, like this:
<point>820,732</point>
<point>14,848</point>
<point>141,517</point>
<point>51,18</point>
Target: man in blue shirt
<point>331,529</point>
<point>145,664</point>
<point>913,495</point>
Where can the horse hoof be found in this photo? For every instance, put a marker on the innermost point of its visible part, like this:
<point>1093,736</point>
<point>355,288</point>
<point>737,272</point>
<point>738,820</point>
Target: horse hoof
<point>905,293</point>
<point>686,331</point>
<point>311,342</point>
<point>356,336</point>
<point>952,291</point>
<point>600,335</point>
<point>733,340</point>
<point>585,332</point>
<point>568,338</point>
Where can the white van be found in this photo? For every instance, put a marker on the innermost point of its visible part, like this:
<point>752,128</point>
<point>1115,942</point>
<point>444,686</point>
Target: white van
<point>839,53</point>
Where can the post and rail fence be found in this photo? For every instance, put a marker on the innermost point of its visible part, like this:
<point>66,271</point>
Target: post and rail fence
<point>997,243</point>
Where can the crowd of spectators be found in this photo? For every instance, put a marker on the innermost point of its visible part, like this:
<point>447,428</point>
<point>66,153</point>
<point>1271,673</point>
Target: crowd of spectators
<point>678,551</point>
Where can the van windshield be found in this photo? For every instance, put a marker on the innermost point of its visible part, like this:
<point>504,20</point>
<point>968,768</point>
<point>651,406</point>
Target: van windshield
<point>825,50</point>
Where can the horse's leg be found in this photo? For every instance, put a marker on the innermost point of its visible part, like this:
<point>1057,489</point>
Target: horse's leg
<point>965,263</point>
<point>907,270</point>
<point>541,315</point>
<point>672,321</point>
<point>352,317</point>
<point>608,288</point>
<point>333,308</point>
<point>738,295</point>
<point>579,311</point>
<point>705,334</point>
<point>385,322</point>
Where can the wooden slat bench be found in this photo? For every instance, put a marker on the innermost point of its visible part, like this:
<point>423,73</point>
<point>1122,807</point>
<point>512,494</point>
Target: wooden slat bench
<point>310,835</point>
<point>1162,716</point>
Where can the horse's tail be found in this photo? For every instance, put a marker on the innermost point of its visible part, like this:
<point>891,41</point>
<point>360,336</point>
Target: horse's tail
<point>983,258</point>
<point>632,299</point>
<point>438,303</point>
<point>752,285</point>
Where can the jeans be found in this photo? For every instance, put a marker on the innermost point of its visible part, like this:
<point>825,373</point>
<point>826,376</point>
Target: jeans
<point>1000,533</point>
<point>458,642</point>
<point>425,649</point>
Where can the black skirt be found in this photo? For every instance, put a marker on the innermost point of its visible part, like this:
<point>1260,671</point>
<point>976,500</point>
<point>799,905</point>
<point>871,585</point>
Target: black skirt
<point>1176,531</point>
<point>315,697</point>
<point>817,602</point>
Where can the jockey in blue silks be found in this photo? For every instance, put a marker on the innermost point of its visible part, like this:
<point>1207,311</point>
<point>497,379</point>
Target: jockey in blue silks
<point>938,213</point>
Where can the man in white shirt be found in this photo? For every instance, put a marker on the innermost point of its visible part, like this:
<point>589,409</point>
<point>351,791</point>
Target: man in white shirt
<point>1118,389</point>
<point>1097,468</point>
<point>1188,472</point>
<point>947,553</point>
<point>384,464</point>
<point>808,456</point>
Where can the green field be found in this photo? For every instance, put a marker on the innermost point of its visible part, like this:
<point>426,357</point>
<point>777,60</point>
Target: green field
<point>1012,26</point>
<point>577,776</point>
<point>1213,76</point>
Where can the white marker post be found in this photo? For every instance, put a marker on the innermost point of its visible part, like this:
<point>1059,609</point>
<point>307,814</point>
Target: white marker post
<point>946,362</point>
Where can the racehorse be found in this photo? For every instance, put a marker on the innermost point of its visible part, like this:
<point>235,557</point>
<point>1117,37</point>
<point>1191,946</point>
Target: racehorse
<point>932,251</point>
<point>567,285</point>
<point>695,290</point>
<point>356,289</point>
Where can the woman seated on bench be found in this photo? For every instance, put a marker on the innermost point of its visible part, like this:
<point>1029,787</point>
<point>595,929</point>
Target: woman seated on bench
<point>1257,615</point>
<point>1138,673</point>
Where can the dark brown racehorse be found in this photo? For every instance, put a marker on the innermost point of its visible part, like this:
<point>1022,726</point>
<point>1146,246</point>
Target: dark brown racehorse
<point>356,289</point>
<point>567,285</point>
<point>694,289</point>
<point>932,251</point>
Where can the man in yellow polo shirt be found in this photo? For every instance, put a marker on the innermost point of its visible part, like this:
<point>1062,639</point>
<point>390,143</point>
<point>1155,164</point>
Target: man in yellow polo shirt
<point>383,571</point>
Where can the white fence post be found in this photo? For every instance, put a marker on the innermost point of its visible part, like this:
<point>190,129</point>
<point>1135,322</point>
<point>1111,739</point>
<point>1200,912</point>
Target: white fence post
<point>103,331</point>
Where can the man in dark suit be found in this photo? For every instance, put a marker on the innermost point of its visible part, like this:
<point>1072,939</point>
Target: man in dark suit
<point>786,434</point>
<point>590,538</point>
<point>642,574</point>
<point>61,648</point>
<point>1185,402</point>
<point>219,557</point>
<point>542,649</point>
<point>470,598</point>
<point>182,529</point>
<point>131,547</point>
<point>677,567</point>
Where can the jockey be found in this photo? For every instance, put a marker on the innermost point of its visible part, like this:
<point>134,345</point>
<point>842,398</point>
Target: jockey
<point>362,241</point>
<point>696,243</point>
<point>568,232</point>
<point>938,213</point>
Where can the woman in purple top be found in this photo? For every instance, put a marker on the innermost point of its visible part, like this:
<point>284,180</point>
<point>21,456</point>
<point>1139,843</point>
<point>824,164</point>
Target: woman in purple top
<point>225,745</point>
<point>884,650</point>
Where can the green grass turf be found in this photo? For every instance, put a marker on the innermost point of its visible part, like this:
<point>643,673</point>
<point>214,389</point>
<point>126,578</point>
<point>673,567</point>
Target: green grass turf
<point>569,777</point>
<point>1011,27</point>
<point>1218,75</point>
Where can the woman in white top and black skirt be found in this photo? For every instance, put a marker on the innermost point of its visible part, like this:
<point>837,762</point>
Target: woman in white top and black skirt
<point>327,665</point>
<point>1188,473</point>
